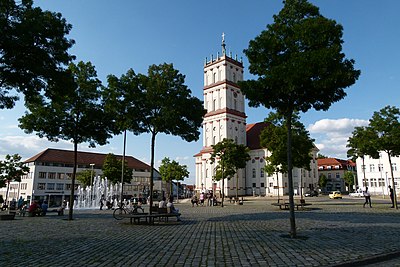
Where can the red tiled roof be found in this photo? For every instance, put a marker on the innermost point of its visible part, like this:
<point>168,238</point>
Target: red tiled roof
<point>84,158</point>
<point>253,132</point>
<point>335,162</point>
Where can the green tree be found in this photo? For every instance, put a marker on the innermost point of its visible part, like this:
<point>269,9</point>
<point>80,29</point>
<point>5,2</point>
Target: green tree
<point>112,170</point>
<point>385,126</point>
<point>33,51</point>
<point>323,180</point>
<point>274,137</point>
<point>76,115</point>
<point>172,170</point>
<point>361,144</point>
<point>162,103</point>
<point>229,157</point>
<point>349,179</point>
<point>300,65</point>
<point>321,156</point>
<point>11,169</point>
<point>85,177</point>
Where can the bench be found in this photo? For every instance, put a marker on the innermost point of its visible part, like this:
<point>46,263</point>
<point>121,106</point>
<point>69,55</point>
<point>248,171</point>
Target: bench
<point>7,217</point>
<point>162,214</point>
<point>297,203</point>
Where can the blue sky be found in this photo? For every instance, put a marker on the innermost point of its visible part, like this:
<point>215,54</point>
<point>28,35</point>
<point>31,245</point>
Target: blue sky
<point>118,35</point>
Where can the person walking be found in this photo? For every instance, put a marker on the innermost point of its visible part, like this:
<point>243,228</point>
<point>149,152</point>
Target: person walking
<point>391,194</point>
<point>367,196</point>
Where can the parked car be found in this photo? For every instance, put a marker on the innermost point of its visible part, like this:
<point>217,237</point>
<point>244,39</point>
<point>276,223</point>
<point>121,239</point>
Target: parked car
<point>312,193</point>
<point>358,193</point>
<point>335,195</point>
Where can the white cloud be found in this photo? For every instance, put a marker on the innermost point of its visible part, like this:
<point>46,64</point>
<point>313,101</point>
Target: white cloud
<point>28,146</point>
<point>331,135</point>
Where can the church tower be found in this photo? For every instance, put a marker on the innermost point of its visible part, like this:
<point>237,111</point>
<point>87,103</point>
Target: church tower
<point>225,118</point>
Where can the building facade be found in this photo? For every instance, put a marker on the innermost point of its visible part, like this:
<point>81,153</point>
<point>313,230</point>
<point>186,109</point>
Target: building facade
<point>50,174</point>
<point>334,170</point>
<point>226,118</point>
<point>377,174</point>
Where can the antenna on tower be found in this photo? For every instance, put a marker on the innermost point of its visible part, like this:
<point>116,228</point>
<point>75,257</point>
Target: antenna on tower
<point>223,45</point>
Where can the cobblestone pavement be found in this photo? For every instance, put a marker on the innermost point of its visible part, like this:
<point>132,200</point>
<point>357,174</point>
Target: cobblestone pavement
<point>330,233</point>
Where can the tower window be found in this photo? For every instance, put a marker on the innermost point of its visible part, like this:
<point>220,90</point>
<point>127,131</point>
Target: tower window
<point>214,77</point>
<point>254,173</point>
<point>235,104</point>
<point>214,104</point>
<point>234,77</point>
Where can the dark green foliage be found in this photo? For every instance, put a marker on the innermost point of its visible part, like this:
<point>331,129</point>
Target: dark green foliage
<point>33,51</point>
<point>323,180</point>
<point>158,102</point>
<point>112,170</point>
<point>11,169</point>
<point>349,179</point>
<point>300,65</point>
<point>85,176</point>
<point>274,138</point>
<point>230,157</point>
<point>75,115</point>
<point>172,170</point>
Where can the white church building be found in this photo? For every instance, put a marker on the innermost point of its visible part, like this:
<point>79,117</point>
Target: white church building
<point>226,118</point>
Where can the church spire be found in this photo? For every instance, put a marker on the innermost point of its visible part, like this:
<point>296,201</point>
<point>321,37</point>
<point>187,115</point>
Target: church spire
<point>223,45</point>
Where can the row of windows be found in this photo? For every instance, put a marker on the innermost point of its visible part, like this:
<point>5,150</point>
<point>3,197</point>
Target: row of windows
<point>376,182</point>
<point>54,175</point>
<point>380,167</point>
<point>218,76</point>
<point>55,186</point>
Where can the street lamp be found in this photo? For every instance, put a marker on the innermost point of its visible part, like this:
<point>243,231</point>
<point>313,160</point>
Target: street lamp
<point>91,181</point>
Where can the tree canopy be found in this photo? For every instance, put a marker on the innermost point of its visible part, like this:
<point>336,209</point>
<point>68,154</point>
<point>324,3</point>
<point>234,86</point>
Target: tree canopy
<point>161,103</point>
<point>112,167</point>
<point>300,65</point>
<point>11,169</point>
<point>85,177</point>
<point>33,51</point>
<point>229,157</point>
<point>385,127</point>
<point>274,137</point>
<point>172,170</point>
<point>75,115</point>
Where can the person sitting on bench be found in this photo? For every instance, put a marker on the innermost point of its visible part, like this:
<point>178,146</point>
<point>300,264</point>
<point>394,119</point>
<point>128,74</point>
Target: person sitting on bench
<point>172,209</point>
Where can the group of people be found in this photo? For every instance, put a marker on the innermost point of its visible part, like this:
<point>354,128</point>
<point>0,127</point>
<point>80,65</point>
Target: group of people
<point>36,209</point>
<point>169,205</point>
<point>367,197</point>
<point>211,199</point>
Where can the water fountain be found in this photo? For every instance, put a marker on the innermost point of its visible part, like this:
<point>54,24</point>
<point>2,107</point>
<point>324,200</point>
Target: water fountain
<point>89,197</point>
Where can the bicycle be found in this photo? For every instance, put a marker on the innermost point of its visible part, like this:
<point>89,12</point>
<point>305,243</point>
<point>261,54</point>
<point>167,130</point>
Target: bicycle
<point>121,210</point>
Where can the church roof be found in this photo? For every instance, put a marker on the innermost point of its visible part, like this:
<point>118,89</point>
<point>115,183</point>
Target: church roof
<point>51,155</point>
<point>253,132</point>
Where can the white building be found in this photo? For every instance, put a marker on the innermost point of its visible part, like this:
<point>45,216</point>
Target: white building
<point>226,118</point>
<point>376,174</point>
<point>50,174</point>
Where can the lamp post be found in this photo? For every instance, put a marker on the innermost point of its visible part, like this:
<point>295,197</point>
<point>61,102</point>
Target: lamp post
<point>91,181</point>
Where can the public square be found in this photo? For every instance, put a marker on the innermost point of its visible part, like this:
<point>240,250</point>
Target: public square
<point>330,233</point>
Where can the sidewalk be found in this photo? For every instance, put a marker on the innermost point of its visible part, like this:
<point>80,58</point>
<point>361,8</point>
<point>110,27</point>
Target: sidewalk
<point>331,233</point>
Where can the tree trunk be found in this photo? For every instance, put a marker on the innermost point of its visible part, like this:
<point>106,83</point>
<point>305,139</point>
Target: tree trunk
<point>394,186</point>
<point>290,176</point>
<point>223,186</point>
<point>8,190</point>
<point>123,170</point>
<point>153,143</point>
<point>72,197</point>
<point>237,187</point>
